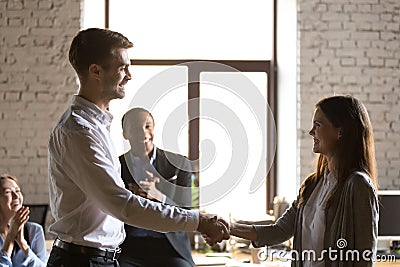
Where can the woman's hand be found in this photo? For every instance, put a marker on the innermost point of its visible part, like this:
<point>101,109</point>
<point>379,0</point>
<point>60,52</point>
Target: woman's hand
<point>15,232</point>
<point>18,221</point>
<point>17,228</point>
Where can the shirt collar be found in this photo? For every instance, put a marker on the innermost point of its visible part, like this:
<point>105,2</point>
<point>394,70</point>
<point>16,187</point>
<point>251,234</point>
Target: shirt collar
<point>105,117</point>
<point>153,156</point>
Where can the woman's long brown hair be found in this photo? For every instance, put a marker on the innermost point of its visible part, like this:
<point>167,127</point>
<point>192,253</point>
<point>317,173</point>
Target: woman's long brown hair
<point>355,150</point>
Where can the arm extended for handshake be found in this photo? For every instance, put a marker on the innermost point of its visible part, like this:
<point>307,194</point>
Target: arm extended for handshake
<point>213,228</point>
<point>216,229</point>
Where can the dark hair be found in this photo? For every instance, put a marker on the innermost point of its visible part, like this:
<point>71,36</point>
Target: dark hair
<point>355,149</point>
<point>94,46</point>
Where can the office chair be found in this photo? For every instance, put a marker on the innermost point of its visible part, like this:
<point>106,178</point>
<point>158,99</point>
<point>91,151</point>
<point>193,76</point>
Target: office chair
<point>38,213</point>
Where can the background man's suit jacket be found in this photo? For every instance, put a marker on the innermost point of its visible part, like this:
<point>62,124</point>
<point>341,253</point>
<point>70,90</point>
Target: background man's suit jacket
<point>168,173</point>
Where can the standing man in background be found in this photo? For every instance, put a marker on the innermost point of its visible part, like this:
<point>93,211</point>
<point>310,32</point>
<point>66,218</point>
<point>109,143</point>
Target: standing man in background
<point>159,175</point>
<point>87,196</point>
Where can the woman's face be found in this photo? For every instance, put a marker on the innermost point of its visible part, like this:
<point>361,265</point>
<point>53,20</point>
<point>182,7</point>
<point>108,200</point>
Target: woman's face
<point>325,135</point>
<point>11,198</point>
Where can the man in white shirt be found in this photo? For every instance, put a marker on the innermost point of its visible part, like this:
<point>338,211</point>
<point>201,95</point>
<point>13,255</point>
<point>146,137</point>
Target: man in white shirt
<point>87,196</point>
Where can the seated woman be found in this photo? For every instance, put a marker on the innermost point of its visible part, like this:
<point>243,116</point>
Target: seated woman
<point>22,242</point>
<point>335,217</point>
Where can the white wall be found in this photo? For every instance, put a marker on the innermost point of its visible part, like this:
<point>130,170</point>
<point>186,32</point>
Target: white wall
<point>288,160</point>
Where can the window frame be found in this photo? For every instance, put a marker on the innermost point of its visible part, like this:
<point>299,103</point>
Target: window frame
<point>267,66</point>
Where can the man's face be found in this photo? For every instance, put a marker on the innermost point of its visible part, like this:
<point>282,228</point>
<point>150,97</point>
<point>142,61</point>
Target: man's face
<point>140,132</point>
<point>116,75</point>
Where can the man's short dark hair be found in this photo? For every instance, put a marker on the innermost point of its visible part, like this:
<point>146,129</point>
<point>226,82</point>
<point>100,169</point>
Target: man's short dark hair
<point>94,46</point>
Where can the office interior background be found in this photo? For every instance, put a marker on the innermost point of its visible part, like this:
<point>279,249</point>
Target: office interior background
<point>323,47</point>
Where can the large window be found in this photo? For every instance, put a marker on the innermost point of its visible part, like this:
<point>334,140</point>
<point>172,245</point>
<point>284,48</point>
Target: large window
<point>204,70</point>
<point>208,29</point>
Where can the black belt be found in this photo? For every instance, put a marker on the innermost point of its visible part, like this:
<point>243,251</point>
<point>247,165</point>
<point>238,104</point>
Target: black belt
<point>112,254</point>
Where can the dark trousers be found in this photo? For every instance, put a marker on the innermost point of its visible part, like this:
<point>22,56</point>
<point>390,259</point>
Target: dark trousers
<point>150,252</point>
<point>62,258</point>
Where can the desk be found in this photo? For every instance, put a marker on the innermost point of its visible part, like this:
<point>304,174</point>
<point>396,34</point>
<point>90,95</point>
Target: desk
<point>384,264</point>
<point>235,259</point>
<point>239,259</point>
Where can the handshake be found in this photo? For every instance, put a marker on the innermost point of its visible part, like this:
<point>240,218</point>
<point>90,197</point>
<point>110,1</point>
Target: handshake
<point>213,228</point>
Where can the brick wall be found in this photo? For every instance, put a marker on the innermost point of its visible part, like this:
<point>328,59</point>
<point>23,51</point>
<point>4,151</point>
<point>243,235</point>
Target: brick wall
<point>345,46</point>
<point>352,47</point>
<point>36,83</point>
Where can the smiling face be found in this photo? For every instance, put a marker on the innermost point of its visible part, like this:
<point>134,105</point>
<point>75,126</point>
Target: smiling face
<point>11,198</point>
<point>116,75</point>
<point>139,130</point>
<point>325,135</point>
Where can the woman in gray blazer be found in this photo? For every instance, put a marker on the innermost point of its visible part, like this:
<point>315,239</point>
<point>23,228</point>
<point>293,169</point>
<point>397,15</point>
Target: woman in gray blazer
<point>334,220</point>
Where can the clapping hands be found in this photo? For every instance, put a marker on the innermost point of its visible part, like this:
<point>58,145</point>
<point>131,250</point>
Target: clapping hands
<point>18,222</point>
<point>16,232</point>
<point>213,228</point>
<point>147,188</point>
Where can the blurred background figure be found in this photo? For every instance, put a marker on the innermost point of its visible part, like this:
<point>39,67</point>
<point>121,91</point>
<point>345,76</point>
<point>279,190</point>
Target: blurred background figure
<point>161,176</point>
<point>22,242</point>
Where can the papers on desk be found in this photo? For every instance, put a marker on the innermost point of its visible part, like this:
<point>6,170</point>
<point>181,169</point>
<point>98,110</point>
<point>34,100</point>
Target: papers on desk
<point>238,264</point>
<point>225,259</point>
<point>264,264</point>
<point>213,259</point>
<point>219,254</point>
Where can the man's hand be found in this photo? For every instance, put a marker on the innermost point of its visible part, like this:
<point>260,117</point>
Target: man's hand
<point>213,229</point>
<point>148,185</point>
<point>137,190</point>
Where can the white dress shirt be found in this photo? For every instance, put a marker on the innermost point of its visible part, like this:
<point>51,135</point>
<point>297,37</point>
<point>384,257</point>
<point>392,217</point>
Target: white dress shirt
<point>87,196</point>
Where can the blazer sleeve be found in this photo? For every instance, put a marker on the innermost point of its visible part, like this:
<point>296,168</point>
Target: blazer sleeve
<point>181,195</point>
<point>125,172</point>
<point>282,230</point>
<point>365,209</point>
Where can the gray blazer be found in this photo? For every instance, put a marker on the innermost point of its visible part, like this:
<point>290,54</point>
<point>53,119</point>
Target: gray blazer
<point>352,215</point>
